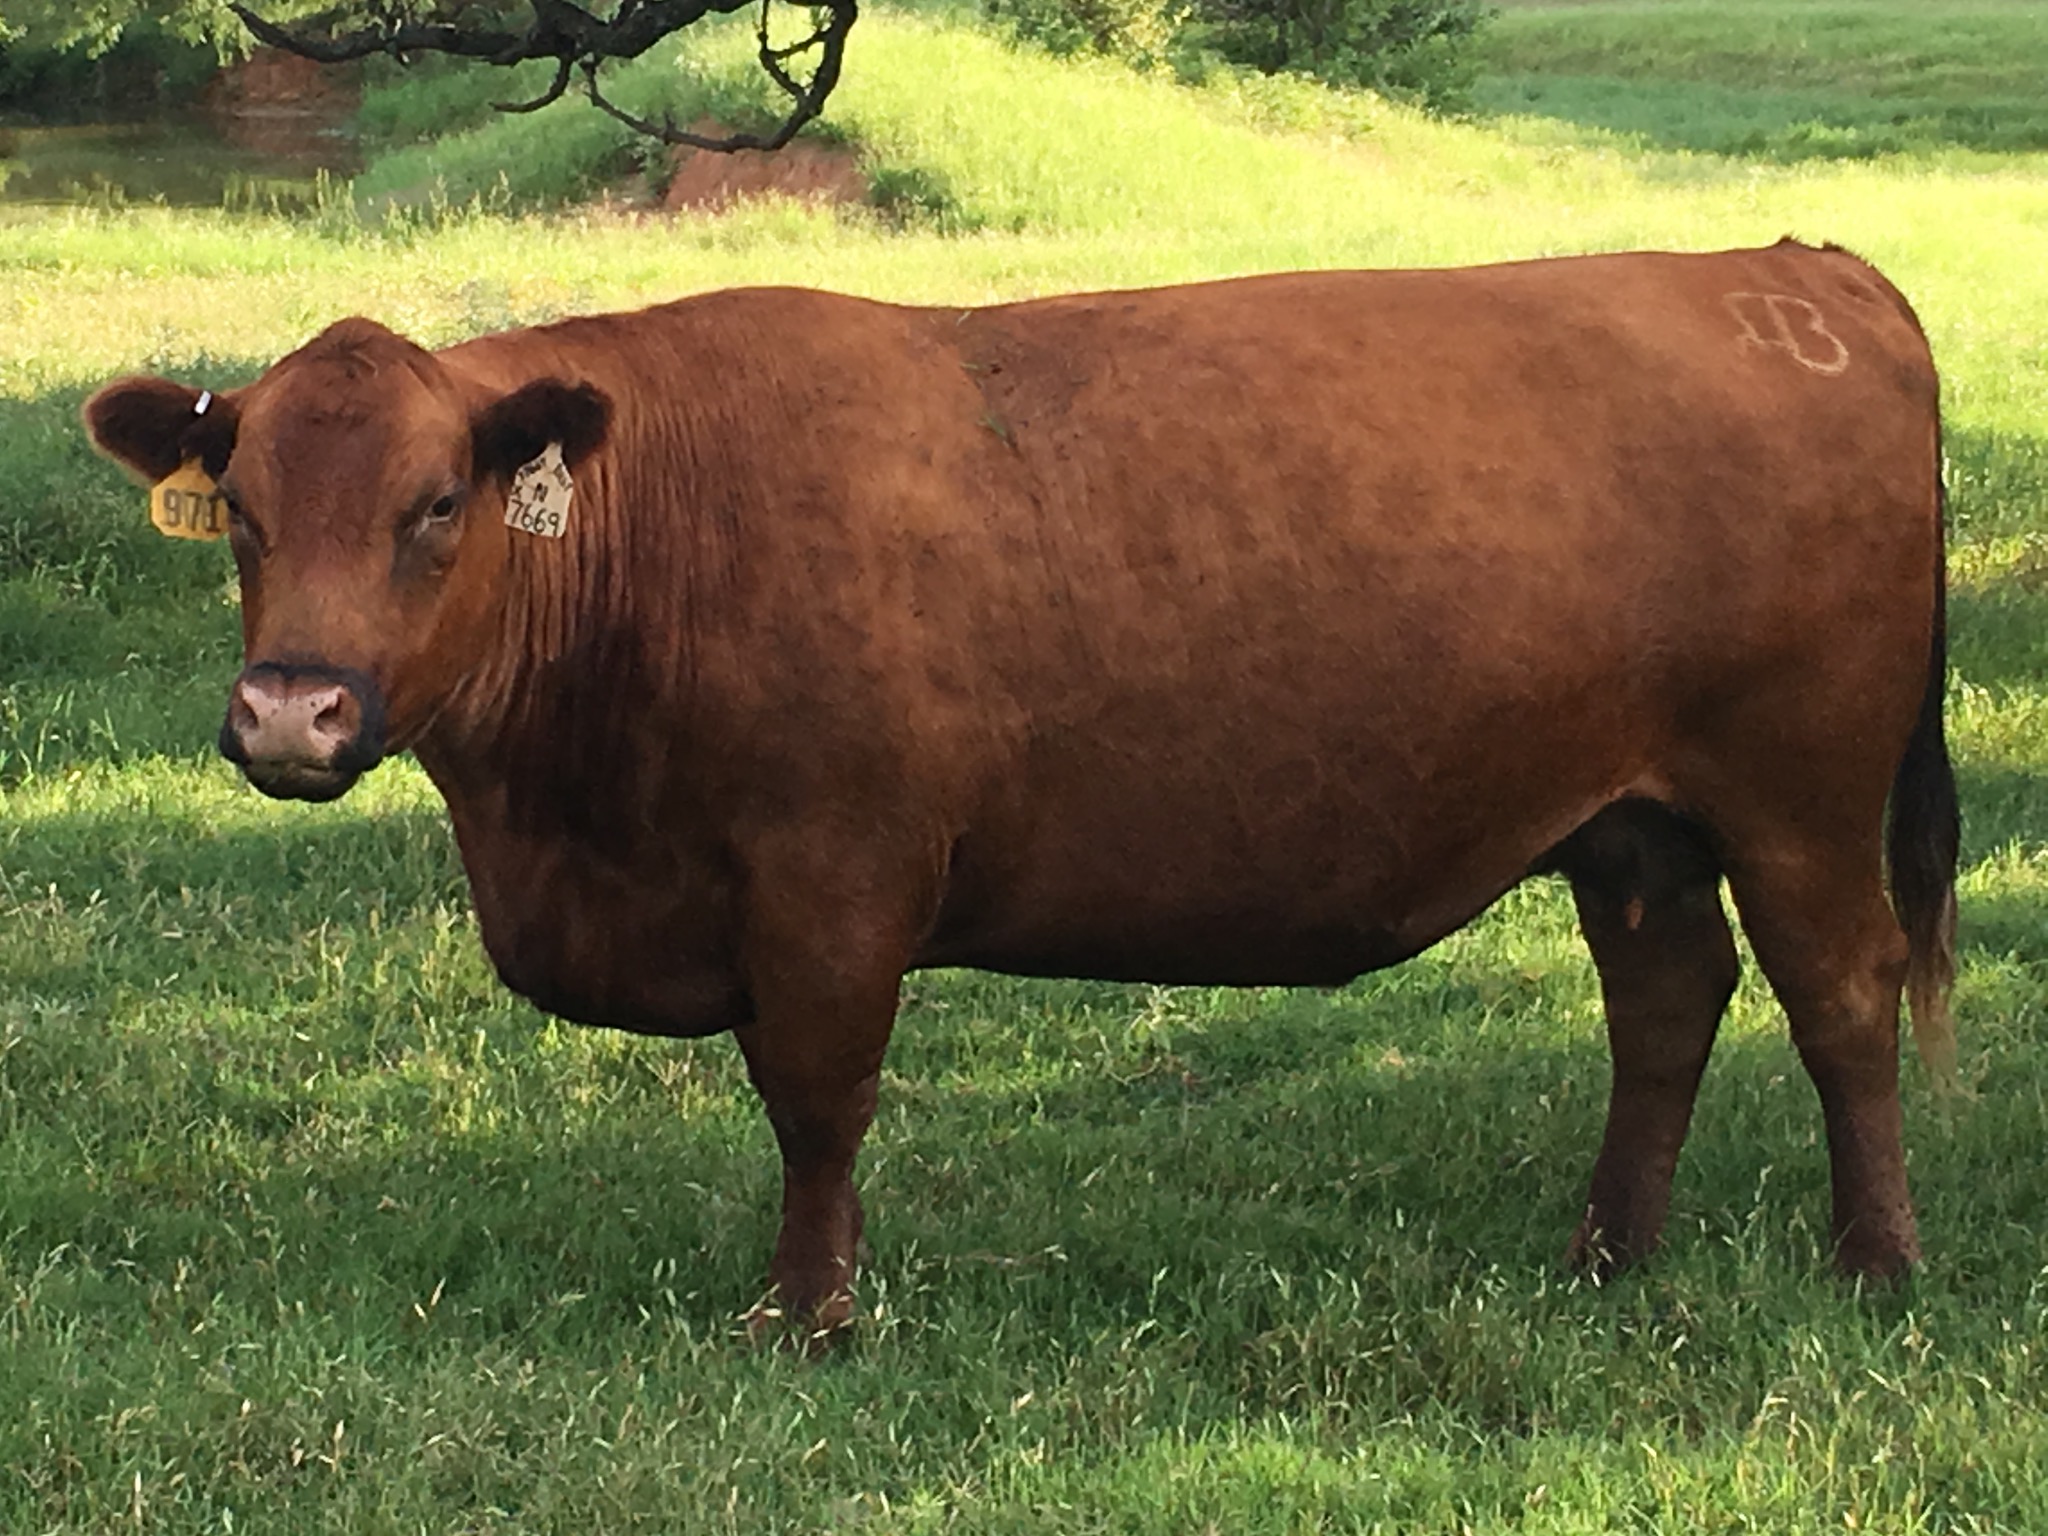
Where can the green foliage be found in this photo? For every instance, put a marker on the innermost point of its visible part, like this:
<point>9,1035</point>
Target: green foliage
<point>97,25</point>
<point>145,65</point>
<point>1411,49</point>
<point>1142,33</point>
<point>67,59</point>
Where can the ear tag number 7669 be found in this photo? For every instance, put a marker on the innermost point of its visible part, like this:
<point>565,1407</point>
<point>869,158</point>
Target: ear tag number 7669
<point>186,504</point>
<point>540,495</point>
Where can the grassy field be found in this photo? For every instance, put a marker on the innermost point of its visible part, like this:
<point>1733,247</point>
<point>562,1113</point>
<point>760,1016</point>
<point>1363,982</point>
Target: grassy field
<point>307,1226</point>
<point>1781,79</point>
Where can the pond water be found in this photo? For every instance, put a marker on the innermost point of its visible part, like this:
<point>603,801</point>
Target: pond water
<point>184,162</point>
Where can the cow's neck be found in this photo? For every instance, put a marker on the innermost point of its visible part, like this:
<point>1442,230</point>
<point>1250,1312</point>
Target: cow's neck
<point>574,717</point>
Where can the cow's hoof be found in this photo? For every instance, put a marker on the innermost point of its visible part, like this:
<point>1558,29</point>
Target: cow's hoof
<point>811,1329</point>
<point>1885,1258</point>
<point>1600,1254</point>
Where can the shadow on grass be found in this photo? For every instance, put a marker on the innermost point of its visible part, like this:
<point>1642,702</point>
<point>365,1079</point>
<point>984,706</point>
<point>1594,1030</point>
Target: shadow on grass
<point>116,644</point>
<point>1998,634</point>
<point>75,519</point>
<point>1998,631</point>
<point>1782,127</point>
<point>2006,925</point>
<point>1779,82</point>
<point>2005,808</point>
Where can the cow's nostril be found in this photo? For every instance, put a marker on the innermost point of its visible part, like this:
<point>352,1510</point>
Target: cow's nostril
<point>334,718</point>
<point>252,702</point>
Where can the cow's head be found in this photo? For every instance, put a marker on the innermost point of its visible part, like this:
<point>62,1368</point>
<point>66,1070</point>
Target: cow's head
<point>366,481</point>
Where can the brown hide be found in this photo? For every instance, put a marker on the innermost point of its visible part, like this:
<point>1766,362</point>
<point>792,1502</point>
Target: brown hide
<point>1249,632</point>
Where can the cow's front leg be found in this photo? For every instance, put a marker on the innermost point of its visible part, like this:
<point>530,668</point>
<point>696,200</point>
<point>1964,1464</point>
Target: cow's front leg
<point>830,927</point>
<point>818,1083</point>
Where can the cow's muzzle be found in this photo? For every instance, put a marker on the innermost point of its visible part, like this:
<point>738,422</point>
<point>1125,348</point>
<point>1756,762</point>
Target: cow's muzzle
<point>303,732</point>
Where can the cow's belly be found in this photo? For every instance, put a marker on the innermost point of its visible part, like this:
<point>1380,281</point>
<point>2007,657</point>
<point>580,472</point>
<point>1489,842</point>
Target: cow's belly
<point>1188,935</point>
<point>1185,893</point>
<point>1221,949</point>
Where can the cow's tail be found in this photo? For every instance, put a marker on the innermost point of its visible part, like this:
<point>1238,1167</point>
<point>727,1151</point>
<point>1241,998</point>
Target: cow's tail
<point>1922,840</point>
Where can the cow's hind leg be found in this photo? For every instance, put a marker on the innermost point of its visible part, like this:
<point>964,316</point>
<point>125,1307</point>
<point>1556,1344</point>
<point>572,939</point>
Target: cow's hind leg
<point>1825,936</point>
<point>1649,899</point>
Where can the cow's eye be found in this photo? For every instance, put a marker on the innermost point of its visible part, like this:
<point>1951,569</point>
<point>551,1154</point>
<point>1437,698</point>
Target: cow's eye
<point>239,520</point>
<point>442,508</point>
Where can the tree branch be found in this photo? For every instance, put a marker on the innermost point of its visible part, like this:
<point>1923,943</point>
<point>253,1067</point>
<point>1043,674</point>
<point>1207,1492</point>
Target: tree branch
<point>576,38</point>
<point>553,93</point>
<point>394,37</point>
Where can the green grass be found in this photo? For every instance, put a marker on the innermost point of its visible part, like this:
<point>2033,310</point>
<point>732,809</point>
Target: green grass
<point>306,1225</point>
<point>1780,79</point>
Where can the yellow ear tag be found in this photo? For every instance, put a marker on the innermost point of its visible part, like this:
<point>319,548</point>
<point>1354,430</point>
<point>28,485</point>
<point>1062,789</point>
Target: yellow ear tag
<point>186,504</point>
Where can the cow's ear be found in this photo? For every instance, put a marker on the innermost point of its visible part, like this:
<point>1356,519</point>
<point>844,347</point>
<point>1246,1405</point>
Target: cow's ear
<point>153,426</point>
<point>516,429</point>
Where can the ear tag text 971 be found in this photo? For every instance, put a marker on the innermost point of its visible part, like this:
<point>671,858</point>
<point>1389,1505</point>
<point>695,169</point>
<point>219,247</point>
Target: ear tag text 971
<point>186,504</point>
<point>540,495</point>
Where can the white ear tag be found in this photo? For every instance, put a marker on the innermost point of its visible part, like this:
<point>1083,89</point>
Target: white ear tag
<point>541,493</point>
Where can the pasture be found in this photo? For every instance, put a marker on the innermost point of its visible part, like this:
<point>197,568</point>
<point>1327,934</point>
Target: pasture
<point>306,1225</point>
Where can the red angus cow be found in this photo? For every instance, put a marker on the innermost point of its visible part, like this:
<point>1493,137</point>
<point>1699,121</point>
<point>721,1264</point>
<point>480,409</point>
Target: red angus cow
<point>1247,632</point>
